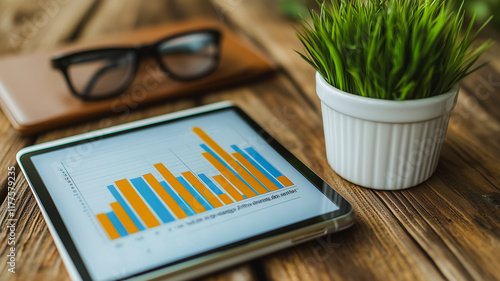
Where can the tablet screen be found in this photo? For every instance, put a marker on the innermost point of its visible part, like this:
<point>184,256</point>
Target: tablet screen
<point>149,197</point>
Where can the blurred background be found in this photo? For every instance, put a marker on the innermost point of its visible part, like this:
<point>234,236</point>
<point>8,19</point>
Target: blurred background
<point>49,21</point>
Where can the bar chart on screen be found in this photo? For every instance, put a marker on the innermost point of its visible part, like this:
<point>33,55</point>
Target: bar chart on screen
<point>201,177</point>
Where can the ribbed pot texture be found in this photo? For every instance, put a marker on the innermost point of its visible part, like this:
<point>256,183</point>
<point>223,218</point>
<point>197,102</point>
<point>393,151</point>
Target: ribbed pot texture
<point>383,144</point>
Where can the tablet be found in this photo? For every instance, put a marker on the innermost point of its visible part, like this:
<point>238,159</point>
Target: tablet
<point>176,196</point>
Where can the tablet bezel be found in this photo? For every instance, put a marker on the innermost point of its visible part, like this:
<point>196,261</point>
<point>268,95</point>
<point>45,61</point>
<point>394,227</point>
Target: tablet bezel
<point>64,240</point>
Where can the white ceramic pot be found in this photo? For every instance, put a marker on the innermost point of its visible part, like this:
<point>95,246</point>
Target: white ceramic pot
<point>383,144</point>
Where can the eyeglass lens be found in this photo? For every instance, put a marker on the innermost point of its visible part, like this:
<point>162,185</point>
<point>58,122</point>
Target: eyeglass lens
<point>189,56</point>
<point>101,73</point>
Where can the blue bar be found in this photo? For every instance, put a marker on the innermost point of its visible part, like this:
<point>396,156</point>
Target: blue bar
<point>270,168</point>
<point>117,224</point>
<point>205,147</point>
<point>269,176</point>
<point>178,199</point>
<point>152,200</point>
<point>210,184</point>
<point>125,206</point>
<point>195,193</point>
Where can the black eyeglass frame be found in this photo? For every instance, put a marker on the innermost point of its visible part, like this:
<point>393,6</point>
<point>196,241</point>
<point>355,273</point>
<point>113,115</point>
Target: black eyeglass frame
<point>141,52</point>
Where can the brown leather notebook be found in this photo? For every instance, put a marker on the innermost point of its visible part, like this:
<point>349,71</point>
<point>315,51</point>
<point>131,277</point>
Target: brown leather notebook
<point>35,97</point>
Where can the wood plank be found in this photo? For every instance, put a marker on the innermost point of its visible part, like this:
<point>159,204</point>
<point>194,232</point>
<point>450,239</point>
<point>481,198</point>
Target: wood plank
<point>31,25</point>
<point>455,208</point>
<point>240,273</point>
<point>455,215</point>
<point>262,22</point>
<point>474,124</point>
<point>10,144</point>
<point>480,99</point>
<point>110,18</point>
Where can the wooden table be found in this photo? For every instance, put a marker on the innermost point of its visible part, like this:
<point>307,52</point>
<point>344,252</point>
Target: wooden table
<point>445,228</point>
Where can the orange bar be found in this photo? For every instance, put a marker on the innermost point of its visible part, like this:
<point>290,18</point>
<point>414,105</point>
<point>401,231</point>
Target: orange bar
<point>202,189</point>
<point>255,172</point>
<point>139,206</point>
<point>108,226</point>
<point>225,198</point>
<point>188,197</point>
<point>229,175</point>
<point>237,167</point>
<point>229,188</point>
<point>176,209</point>
<point>124,218</point>
<point>285,181</point>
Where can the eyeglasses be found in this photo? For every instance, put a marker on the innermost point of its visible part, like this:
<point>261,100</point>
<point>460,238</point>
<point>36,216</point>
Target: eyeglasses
<point>103,73</point>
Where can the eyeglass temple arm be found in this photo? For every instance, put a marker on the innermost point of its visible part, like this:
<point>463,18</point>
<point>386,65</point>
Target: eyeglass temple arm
<point>63,61</point>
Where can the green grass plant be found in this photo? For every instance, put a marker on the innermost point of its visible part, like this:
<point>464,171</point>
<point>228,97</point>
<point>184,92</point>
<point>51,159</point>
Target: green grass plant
<point>394,49</point>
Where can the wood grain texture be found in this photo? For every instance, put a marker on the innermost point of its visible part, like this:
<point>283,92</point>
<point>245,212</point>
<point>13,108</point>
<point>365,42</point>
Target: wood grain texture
<point>113,16</point>
<point>27,26</point>
<point>36,255</point>
<point>445,228</point>
<point>39,24</point>
<point>261,21</point>
<point>11,142</point>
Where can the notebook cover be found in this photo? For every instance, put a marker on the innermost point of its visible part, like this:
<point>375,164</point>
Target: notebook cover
<point>35,97</point>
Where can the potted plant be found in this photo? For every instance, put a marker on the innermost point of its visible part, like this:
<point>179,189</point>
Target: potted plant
<point>387,76</point>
